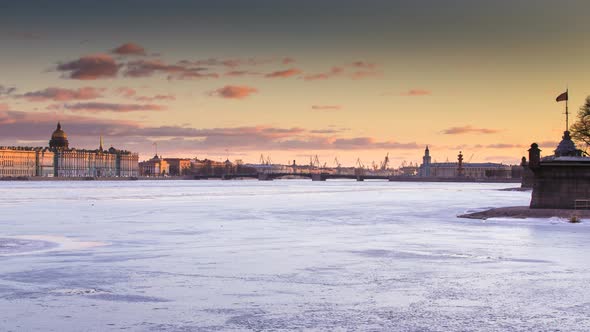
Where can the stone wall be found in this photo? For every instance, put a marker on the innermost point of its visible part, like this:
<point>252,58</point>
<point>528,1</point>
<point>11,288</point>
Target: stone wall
<point>556,185</point>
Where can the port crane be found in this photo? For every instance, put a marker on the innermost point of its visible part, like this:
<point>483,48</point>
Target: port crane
<point>264,161</point>
<point>385,163</point>
<point>359,163</point>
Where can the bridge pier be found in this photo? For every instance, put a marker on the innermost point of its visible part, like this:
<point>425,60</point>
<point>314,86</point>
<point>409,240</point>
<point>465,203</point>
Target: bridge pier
<point>319,177</point>
<point>264,177</point>
<point>360,178</point>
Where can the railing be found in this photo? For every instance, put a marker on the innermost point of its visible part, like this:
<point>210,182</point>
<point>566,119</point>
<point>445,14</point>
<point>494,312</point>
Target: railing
<point>582,204</point>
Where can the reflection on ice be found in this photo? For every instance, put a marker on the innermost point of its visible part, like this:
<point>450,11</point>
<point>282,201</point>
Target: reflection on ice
<point>34,244</point>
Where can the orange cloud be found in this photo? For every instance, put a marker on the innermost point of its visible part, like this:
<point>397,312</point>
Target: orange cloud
<point>60,94</point>
<point>132,94</point>
<point>468,130</point>
<point>284,73</point>
<point>129,49</point>
<point>234,92</point>
<point>91,67</point>
<point>335,71</point>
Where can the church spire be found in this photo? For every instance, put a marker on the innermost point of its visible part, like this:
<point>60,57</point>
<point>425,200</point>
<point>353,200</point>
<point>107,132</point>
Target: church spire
<point>100,146</point>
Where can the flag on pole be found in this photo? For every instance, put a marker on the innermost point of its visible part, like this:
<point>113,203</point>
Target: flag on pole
<point>561,97</point>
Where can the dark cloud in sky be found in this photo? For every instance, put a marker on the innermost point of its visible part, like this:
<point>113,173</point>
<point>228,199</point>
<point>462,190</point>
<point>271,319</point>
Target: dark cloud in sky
<point>90,67</point>
<point>129,49</point>
<point>5,90</point>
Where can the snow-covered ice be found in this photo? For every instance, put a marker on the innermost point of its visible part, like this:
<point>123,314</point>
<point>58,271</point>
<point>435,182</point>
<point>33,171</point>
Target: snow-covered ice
<point>284,255</point>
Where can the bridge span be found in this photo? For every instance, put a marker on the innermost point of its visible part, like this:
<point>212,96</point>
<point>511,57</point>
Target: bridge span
<point>357,177</point>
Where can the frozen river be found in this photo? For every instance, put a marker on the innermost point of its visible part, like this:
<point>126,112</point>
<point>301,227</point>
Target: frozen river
<point>284,255</point>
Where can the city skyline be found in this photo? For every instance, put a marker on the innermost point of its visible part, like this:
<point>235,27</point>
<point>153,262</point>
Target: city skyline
<point>293,80</point>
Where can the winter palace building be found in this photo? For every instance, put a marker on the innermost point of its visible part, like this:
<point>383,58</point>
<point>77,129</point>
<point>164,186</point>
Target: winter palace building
<point>59,160</point>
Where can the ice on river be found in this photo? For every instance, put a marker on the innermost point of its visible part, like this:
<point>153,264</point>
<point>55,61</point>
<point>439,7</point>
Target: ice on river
<point>284,255</point>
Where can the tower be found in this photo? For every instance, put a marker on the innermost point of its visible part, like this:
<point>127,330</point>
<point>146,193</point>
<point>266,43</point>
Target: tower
<point>426,163</point>
<point>100,145</point>
<point>460,169</point>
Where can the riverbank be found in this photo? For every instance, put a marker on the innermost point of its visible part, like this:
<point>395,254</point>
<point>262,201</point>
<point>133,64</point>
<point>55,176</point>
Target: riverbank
<point>133,178</point>
<point>287,177</point>
<point>522,212</point>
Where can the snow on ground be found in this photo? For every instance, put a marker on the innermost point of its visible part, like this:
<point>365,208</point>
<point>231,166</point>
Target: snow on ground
<point>284,255</point>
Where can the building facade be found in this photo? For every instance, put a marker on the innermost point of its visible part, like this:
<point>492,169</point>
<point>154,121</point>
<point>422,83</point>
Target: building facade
<point>156,166</point>
<point>18,162</point>
<point>178,166</point>
<point>461,169</point>
<point>59,160</point>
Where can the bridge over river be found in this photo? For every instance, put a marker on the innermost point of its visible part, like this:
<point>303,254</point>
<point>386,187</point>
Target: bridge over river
<point>357,177</point>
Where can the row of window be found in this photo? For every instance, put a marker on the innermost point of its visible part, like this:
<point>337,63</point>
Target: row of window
<point>16,172</point>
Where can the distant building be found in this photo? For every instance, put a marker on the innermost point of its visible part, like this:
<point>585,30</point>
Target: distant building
<point>461,169</point>
<point>157,166</point>
<point>426,162</point>
<point>59,160</point>
<point>207,167</point>
<point>178,166</point>
<point>18,162</point>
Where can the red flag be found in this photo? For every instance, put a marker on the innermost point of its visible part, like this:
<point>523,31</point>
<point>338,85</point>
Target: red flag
<point>561,97</point>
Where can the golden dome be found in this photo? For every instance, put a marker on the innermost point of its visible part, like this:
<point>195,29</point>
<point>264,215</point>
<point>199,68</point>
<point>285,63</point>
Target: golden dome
<point>59,133</point>
<point>59,139</point>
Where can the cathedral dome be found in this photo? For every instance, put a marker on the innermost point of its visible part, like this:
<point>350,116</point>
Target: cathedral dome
<point>59,139</point>
<point>566,147</point>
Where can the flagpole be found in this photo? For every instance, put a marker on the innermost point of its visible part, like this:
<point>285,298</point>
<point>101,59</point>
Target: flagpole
<point>567,121</point>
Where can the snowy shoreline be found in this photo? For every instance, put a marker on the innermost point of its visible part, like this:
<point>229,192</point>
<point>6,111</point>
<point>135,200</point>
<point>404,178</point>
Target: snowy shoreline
<point>522,212</point>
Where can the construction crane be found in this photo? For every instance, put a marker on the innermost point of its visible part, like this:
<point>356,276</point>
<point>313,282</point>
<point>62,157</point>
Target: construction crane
<point>337,163</point>
<point>374,165</point>
<point>264,161</point>
<point>314,162</point>
<point>385,162</point>
<point>359,163</point>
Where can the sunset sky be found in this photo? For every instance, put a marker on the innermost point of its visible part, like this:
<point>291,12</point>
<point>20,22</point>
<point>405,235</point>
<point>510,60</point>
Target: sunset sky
<point>290,79</point>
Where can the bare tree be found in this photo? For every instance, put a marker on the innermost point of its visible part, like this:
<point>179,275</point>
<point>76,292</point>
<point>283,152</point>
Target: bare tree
<point>580,130</point>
